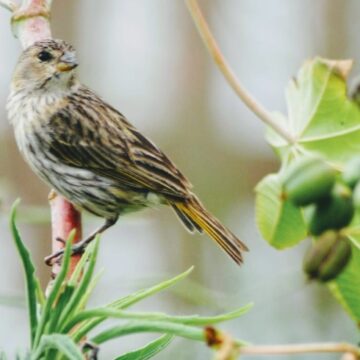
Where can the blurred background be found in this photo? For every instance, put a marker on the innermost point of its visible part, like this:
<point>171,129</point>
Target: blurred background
<point>147,60</point>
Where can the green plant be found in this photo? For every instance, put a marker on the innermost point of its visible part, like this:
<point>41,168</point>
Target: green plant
<point>323,121</point>
<point>59,323</point>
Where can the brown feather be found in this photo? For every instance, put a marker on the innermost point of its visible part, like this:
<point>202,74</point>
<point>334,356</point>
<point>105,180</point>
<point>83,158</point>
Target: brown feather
<point>194,210</point>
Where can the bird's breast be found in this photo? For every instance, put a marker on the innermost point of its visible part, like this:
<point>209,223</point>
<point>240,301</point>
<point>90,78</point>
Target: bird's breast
<point>29,115</point>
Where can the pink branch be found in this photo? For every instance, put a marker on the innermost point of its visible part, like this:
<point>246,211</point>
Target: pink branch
<point>30,23</point>
<point>64,218</point>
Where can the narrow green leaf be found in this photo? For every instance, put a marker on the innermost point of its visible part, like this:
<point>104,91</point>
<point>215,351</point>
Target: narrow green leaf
<point>81,288</point>
<point>149,350</point>
<point>55,291</point>
<point>186,320</point>
<point>40,293</point>
<point>53,325</point>
<point>139,326</point>
<point>132,299</point>
<point>85,298</point>
<point>30,277</point>
<point>280,222</point>
<point>80,266</point>
<point>129,300</point>
<point>62,343</point>
<point>185,331</point>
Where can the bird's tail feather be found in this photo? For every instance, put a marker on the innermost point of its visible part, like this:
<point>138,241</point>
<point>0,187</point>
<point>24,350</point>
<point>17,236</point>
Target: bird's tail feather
<point>195,216</point>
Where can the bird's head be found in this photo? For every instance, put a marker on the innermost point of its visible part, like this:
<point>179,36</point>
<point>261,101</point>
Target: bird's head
<point>46,65</point>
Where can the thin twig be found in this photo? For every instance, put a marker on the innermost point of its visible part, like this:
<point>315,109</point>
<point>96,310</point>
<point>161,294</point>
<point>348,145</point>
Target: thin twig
<point>9,5</point>
<point>229,74</point>
<point>300,349</point>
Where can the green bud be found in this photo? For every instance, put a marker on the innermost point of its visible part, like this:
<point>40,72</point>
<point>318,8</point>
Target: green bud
<point>318,252</point>
<point>336,261</point>
<point>332,212</point>
<point>308,180</point>
<point>327,258</point>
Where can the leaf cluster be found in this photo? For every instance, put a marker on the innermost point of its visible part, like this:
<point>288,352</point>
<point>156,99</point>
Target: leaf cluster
<point>61,327</point>
<point>324,121</point>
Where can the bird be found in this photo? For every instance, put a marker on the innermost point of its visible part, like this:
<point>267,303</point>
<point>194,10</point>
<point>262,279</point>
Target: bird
<point>91,154</point>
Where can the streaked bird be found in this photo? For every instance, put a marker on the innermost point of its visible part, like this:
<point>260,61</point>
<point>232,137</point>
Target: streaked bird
<point>88,151</point>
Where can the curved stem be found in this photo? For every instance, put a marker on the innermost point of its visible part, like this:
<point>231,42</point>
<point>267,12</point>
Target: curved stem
<point>300,349</point>
<point>229,74</point>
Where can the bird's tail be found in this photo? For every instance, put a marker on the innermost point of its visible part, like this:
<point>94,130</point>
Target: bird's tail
<point>195,216</point>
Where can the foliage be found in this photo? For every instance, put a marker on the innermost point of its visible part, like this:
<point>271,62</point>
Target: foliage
<point>323,120</point>
<point>60,322</point>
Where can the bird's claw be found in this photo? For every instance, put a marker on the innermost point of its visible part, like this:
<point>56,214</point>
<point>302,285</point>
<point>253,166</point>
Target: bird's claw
<point>57,255</point>
<point>93,350</point>
<point>54,257</point>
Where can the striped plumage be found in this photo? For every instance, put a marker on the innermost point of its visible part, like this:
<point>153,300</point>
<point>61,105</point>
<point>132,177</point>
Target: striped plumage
<point>88,152</point>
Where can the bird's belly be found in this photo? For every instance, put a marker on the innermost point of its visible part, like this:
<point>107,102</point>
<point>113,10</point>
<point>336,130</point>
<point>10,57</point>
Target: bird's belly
<point>89,191</point>
<point>94,193</point>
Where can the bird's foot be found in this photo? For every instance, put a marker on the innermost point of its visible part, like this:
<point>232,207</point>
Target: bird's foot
<point>79,247</point>
<point>57,255</point>
<point>92,348</point>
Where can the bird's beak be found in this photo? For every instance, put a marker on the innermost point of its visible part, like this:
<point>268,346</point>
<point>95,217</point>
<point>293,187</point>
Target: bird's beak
<point>67,62</point>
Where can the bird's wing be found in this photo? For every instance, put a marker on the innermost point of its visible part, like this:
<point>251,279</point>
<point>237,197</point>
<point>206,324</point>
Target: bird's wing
<point>90,134</point>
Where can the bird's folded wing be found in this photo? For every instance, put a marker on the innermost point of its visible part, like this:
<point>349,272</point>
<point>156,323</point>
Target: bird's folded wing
<point>112,148</point>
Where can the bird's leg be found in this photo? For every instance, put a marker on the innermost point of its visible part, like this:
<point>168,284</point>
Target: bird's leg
<point>93,349</point>
<point>81,245</point>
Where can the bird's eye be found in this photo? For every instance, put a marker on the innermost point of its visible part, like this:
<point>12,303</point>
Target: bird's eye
<point>44,56</point>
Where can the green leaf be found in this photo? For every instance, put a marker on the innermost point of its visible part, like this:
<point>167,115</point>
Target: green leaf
<point>139,326</point>
<point>85,297</point>
<point>83,262</point>
<point>127,301</point>
<point>149,350</point>
<point>346,287</point>
<point>63,343</point>
<point>57,311</point>
<point>80,289</point>
<point>57,288</point>
<point>279,221</point>
<point>30,277</point>
<point>186,320</point>
<point>321,117</point>
<point>137,296</point>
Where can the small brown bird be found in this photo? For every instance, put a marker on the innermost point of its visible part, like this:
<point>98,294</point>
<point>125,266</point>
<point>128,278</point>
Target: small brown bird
<point>89,153</point>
